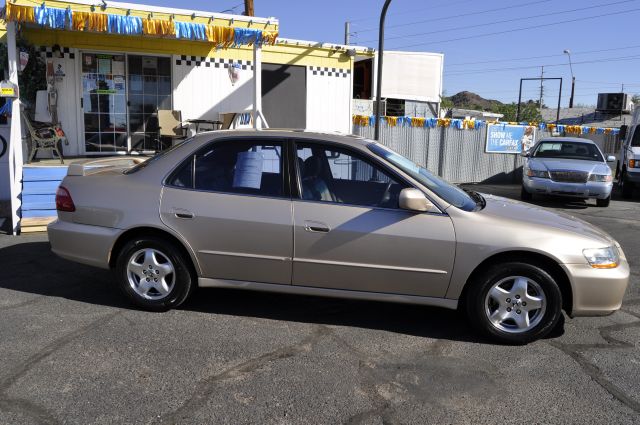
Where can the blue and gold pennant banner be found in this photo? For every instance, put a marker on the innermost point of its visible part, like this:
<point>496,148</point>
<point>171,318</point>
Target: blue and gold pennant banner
<point>58,18</point>
<point>464,124</point>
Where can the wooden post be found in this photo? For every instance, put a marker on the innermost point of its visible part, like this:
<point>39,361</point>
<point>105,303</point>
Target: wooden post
<point>15,139</point>
<point>248,8</point>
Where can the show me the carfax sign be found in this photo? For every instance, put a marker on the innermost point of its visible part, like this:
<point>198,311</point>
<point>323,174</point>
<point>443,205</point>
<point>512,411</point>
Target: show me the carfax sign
<point>505,138</point>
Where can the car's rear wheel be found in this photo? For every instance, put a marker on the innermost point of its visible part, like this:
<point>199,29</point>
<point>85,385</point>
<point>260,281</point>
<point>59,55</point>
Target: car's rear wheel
<point>603,202</point>
<point>514,303</point>
<point>154,274</point>
<point>524,195</point>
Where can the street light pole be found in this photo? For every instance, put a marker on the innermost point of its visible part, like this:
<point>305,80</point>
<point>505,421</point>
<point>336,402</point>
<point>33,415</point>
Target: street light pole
<point>376,134</point>
<point>573,79</point>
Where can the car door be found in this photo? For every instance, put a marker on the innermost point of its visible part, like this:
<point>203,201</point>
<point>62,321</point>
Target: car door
<point>230,203</point>
<point>349,232</point>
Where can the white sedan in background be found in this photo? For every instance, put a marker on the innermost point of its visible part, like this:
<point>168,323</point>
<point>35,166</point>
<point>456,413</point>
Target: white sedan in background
<point>567,166</point>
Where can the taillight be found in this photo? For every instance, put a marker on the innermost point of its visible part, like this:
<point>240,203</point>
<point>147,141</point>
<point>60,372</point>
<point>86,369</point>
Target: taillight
<point>63,200</point>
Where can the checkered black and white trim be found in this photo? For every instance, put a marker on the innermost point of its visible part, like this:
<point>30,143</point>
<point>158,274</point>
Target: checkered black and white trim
<point>212,62</point>
<point>331,72</point>
<point>47,52</point>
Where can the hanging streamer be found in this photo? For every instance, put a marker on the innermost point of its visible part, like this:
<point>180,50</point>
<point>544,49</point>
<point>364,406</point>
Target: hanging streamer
<point>159,27</point>
<point>121,24</point>
<point>222,37</point>
<point>190,31</point>
<point>247,37</point>
<point>15,13</point>
<point>53,17</point>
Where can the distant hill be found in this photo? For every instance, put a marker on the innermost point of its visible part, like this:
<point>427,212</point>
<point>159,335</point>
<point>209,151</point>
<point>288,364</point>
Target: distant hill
<point>469,100</point>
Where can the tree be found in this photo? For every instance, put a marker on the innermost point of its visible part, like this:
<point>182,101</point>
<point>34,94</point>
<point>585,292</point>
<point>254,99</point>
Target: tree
<point>446,104</point>
<point>529,111</point>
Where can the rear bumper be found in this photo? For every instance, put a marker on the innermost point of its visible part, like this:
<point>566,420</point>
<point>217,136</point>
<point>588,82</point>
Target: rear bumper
<point>82,243</point>
<point>598,190</point>
<point>597,292</point>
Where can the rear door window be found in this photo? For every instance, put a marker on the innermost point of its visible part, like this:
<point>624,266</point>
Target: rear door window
<point>242,167</point>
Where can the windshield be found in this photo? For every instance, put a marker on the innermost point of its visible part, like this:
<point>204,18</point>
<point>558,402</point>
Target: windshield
<point>465,200</point>
<point>568,150</point>
<point>635,142</point>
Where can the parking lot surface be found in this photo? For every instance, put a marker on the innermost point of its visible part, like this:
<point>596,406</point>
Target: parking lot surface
<point>74,351</point>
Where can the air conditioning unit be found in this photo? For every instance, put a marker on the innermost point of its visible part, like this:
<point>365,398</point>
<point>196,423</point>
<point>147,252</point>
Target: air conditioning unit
<point>613,103</point>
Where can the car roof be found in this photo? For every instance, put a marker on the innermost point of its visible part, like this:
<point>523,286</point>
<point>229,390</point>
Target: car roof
<point>348,139</point>
<point>566,140</point>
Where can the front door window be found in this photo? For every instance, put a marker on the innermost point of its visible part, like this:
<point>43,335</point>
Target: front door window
<point>104,103</point>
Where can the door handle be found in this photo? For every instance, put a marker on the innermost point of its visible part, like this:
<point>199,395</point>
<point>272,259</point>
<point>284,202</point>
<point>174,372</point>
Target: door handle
<point>316,227</point>
<point>184,214</point>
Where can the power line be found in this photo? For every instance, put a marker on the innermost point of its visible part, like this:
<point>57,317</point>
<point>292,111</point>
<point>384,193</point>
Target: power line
<point>517,29</point>
<point>504,21</point>
<point>412,11</point>
<point>543,57</point>
<point>455,16</point>
<point>475,71</point>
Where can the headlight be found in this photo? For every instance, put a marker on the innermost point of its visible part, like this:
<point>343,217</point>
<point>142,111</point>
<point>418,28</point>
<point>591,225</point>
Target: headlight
<point>543,174</point>
<point>602,258</point>
<point>601,178</point>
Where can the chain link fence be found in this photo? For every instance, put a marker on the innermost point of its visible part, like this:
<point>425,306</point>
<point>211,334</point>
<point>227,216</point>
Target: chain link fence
<point>458,155</point>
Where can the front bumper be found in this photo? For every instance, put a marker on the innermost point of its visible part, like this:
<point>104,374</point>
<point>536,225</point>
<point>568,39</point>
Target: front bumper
<point>597,292</point>
<point>82,243</point>
<point>599,190</point>
<point>633,176</point>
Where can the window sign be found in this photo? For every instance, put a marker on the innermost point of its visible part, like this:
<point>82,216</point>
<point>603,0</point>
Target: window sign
<point>248,173</point>
<point>513,139</point>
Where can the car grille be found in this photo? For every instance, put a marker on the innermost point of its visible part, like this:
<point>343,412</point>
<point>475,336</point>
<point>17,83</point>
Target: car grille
<point>569,176</point>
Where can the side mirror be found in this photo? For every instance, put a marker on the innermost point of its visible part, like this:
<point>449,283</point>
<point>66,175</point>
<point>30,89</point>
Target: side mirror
<point>413,200</point>
<point>623,131</point>
<point>525,154</point>
<point>611,158</point>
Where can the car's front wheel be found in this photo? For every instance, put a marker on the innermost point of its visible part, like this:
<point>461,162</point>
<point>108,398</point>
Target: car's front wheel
<point>603,202</point>
<point>524,195</point>
<point>154,274</point>
<point>627,186</point>
<point>514,303</point>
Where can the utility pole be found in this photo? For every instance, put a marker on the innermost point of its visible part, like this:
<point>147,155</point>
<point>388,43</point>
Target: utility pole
<point>573,79</point>
<point>248,8</point>
<point>541,88</point>
<point>383,15</point>
<point>347,32</point>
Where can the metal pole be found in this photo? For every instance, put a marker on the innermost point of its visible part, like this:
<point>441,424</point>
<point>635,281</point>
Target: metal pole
<point>559,97</point>
<point>573,87</point>
<point>347,33</point>
<point>383,15</point>
<point>257,86</point>
<point>519,101</point>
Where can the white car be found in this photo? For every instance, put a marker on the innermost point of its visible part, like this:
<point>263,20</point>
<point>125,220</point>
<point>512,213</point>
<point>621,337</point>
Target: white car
<point>567,166</point>
<point>629,166</point>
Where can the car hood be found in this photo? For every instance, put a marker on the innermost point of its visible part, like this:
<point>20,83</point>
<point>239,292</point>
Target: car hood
<point>510,210</point>
<point>552,164</point>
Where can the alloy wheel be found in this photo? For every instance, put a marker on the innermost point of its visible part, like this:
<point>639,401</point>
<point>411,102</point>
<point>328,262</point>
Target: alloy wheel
<point>515,304</point>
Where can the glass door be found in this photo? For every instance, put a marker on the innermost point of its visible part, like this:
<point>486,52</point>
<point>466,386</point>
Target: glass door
<point>149,79</point>
<point>104,103</point>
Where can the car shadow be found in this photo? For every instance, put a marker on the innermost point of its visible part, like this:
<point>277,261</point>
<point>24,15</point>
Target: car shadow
<point>32,268</point>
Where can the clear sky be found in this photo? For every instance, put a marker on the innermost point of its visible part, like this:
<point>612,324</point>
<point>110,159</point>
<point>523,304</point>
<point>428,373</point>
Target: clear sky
<point>488,46</point>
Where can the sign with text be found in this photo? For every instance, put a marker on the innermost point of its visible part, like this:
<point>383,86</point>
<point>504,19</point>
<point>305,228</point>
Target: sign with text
<point>504,138</point>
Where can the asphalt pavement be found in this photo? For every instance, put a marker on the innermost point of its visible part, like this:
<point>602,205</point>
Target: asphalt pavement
<point>74,351</point>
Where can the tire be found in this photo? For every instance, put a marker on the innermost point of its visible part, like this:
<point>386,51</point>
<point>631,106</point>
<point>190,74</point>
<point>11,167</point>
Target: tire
<point>511,281</point>
<point>154,274</point>
<point>603,202</point>
<point>627,186</point>
<point>524,195</point>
